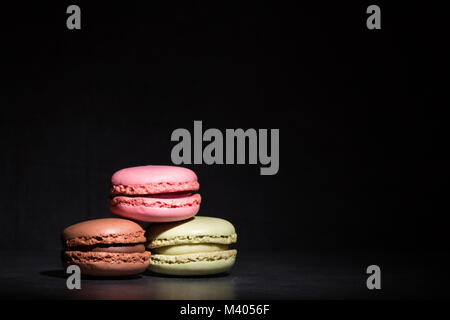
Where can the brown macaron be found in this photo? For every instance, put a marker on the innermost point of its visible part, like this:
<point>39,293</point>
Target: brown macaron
<point>106,247</point>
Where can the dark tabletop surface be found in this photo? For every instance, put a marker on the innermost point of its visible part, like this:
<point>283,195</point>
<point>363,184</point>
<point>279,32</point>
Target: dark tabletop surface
<point>268,275</point>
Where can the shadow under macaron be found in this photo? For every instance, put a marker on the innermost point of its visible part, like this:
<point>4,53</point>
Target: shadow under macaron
<point>160,275</point>
<point>60,273</point>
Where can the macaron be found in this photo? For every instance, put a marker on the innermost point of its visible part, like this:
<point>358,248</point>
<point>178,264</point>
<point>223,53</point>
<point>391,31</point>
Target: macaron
<point>155,193</point>
<point>198,246</point>
<point>106,247</point>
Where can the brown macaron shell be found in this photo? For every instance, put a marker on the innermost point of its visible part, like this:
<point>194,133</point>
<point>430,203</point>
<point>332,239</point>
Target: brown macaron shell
<point>103,231</point>
<point>106,247</point>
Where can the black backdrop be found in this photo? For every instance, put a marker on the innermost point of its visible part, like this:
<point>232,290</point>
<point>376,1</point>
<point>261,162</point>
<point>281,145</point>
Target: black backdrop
<point>362,134</point>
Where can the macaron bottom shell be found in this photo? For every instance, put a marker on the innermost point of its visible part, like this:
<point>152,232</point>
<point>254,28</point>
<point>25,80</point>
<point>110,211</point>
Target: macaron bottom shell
<point>107,264</point>
<point>194,264</point>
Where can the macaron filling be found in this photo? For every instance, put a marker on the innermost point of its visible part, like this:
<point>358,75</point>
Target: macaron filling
<point>165,195</point>
<point>154,188</point>
<point>196,239</point>
<point>165,200</point>
<point>118,248</point>
<point>190,248</point>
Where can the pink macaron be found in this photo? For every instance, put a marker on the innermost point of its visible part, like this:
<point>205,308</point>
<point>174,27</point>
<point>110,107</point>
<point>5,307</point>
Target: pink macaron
<point>155,193</point>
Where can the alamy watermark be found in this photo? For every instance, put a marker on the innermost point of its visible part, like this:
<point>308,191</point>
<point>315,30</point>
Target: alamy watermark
<point>374,280</point>
<point>74,280</point>
<point>74,20</point>
<point>373,22</point>
<point>235,151</point>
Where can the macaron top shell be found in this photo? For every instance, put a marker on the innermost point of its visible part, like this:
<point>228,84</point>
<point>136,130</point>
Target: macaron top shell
<point>103,231</point>
<point>153,179</point>
<point>195,230</point>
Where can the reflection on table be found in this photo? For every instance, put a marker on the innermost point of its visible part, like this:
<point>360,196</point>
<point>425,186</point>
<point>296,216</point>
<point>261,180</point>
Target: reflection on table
<point>146,286</point>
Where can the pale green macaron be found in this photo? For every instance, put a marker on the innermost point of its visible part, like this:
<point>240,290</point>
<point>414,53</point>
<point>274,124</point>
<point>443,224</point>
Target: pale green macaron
<point>197,246</point>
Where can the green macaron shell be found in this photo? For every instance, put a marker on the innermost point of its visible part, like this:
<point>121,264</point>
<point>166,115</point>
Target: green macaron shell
<point>195,230</point>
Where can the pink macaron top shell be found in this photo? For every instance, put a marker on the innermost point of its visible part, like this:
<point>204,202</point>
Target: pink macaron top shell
<point>153,179</point>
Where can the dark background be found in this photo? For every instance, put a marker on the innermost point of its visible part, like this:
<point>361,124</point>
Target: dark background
<point>363,135</point>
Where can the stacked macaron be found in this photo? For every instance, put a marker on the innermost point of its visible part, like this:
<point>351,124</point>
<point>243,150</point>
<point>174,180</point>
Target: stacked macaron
<point>155,193</point>
<point>198,246</point>
<point>106,247</point>
<point>179,243</point>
